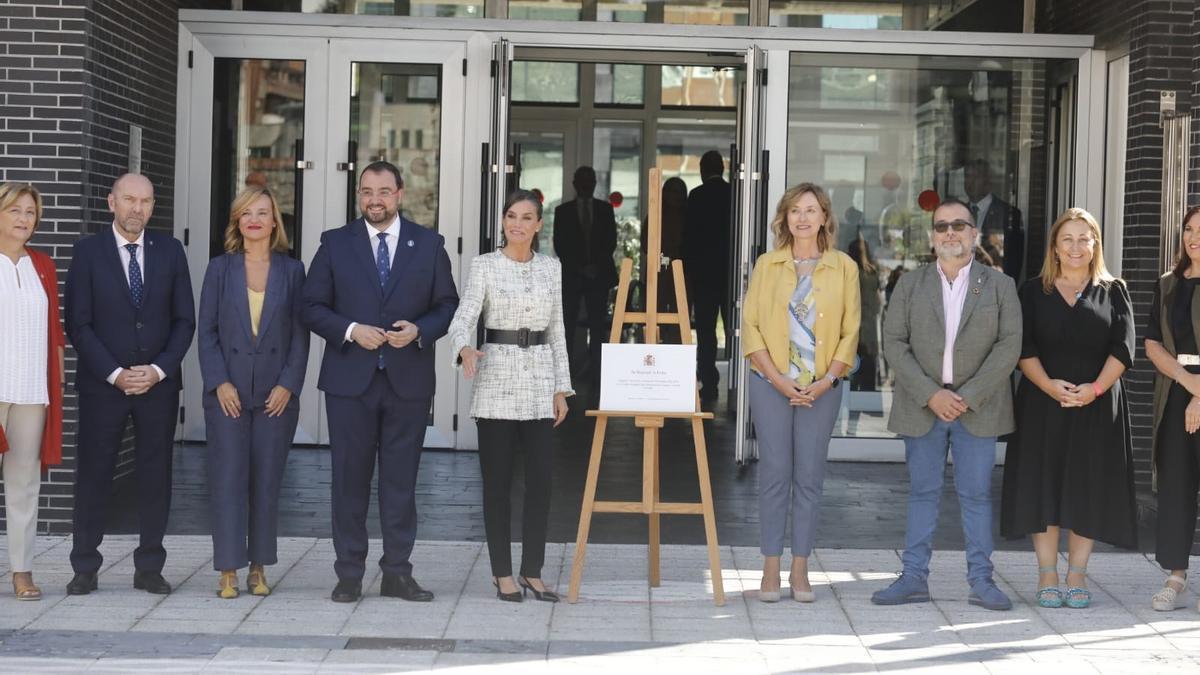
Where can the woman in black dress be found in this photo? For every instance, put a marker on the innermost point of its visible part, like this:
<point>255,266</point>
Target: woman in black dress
<point>1171,345</point>
<point>1070,463</point>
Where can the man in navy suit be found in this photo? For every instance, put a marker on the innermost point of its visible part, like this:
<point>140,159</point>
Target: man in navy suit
<point>130,316</point>
<point>380,292</point>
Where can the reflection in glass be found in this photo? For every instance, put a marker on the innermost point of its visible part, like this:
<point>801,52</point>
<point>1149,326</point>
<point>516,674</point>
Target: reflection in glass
<point>545,82</point>
<point>944,15</point>
<point>395,115</point>
<point>700,86</point>
<point>546,10</point>
<point>258,129</point>
<point>447,8</point>
<point>877,132</point>
<point>620,84</point>
<point>617,158</point>
<point>541,166</point>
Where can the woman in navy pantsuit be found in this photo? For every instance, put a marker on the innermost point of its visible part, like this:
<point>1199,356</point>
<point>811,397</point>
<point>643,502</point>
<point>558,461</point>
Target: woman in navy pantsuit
<point>253,352</point>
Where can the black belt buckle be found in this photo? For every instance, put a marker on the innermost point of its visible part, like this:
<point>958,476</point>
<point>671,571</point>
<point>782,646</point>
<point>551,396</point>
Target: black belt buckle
<point>523,338</point>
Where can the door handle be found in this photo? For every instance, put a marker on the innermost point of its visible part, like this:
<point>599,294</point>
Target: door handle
<point>344,166</point>
<point>302,165</point>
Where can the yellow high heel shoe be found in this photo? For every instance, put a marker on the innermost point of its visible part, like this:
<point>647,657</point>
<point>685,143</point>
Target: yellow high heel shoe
<point>228,586</point>
<point>256,581</point>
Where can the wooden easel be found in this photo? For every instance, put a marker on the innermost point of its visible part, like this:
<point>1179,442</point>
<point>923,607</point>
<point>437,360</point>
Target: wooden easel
<point>650,423</point>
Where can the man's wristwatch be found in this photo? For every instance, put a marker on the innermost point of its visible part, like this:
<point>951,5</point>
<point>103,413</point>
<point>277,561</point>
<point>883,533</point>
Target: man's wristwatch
<point>834,381</point>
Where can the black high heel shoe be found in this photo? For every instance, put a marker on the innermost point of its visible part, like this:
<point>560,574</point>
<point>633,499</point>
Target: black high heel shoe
<point>544,596</point>
<point>515,596</point>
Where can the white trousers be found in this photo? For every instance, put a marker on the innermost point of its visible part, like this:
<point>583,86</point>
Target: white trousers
<point>22,471</point>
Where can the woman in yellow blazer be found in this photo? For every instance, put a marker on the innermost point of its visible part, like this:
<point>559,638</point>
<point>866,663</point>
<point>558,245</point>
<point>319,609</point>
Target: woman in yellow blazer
<point>800,327</point>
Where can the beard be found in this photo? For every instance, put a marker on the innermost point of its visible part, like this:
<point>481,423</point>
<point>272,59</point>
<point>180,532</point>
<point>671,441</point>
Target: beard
<point>387,217</point>
<point>132,226</point>
<point>954,250</point>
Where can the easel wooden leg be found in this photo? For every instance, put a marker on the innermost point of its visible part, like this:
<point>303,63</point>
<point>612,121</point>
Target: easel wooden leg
<point>710,517</point>
<point>585,516</point>
<point>651,468</point>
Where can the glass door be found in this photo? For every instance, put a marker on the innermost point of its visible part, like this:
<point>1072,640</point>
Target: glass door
<point>402,102</point>
<point>257,117</point>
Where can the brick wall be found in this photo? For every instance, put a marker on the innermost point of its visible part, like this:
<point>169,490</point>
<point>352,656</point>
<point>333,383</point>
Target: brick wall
<point>1163,42</point>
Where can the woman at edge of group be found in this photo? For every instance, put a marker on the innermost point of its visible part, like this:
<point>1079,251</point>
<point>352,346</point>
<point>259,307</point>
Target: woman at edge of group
<point>800,327</point>
<point>521,391</point>
<point>31,384</point>
<point>1171,344</point>
<point>253,354</point>
<point>1070,463</point>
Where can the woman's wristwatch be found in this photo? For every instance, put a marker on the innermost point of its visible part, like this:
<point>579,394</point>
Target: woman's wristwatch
<point>834,380</point>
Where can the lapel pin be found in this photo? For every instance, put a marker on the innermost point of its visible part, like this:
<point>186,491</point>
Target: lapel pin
<point>975,290</point>
<point>410,243</point>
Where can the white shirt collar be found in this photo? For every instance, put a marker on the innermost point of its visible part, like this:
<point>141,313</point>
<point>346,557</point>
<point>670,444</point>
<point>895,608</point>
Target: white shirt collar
<point>393,228</point>
<point>984,203</point>
<point>963,273</point>
<point>122,241</point>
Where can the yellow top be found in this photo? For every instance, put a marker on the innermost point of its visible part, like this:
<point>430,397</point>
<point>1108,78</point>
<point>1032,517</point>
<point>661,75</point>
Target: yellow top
<point>256,305</point>
<point>838,306</point>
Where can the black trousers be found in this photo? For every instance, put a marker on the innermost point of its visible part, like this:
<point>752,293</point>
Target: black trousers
<point>707,304</point>
<point>595,302</point>
<point>500,441</point>
<point>378,425</point>
<point>1178,460</point>
<point>102,418</point>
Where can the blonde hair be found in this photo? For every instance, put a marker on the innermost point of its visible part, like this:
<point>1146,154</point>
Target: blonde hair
<point>234,242</point>
<point>11,192</point>
<point>825,235</point>
<point>1052,268</point>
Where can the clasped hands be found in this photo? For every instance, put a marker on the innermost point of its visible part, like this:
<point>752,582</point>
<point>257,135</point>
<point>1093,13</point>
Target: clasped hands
<point>798,395</point>
<point>136,380</point>
<point>1071,395</point>
<point>374,337</point>
<point>231,403</point>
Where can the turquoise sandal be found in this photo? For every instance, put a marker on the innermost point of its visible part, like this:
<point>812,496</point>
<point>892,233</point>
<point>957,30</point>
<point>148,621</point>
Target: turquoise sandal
<point>1049,597</point>
<point>1077,596</point>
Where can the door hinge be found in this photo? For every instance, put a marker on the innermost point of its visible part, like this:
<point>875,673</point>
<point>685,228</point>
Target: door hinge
<point>454,423</point>
<point>187,235</point>
<point>182,410</point>
<point>191,58</point>
<point>460,245</point>
<point>464,67</point>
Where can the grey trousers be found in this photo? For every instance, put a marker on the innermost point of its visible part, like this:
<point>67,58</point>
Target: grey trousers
<point>793,443</point>
<point>22,471</point>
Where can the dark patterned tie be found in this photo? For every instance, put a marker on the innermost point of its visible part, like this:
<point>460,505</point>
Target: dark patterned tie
<point>136,288</point>
<point>384,266</point>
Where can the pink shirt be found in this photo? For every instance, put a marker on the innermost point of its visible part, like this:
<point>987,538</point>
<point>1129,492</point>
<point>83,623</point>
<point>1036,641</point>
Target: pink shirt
<point>954,294</point>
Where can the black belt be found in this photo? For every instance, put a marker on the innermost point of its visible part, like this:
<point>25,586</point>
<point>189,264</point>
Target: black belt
<point>522,337</point>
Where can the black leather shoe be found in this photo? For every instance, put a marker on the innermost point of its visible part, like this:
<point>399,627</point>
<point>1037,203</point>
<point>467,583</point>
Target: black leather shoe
<point>346,591</point>
<point>82,584</point>
<point>404,587</point>
<point>151,582</point>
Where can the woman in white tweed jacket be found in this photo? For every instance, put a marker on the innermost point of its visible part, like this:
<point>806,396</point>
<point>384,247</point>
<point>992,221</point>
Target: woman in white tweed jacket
<point>521,387</point>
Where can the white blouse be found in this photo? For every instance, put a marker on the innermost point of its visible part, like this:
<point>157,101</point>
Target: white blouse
<point>23,325</point>
<point>514,383</point>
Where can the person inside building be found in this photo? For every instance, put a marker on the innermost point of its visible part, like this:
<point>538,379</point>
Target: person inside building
<point>130,315</point>
<point>1171,344</point>
<point>31,376</point>
<point>674,215</point>
<point>865,375</point>
<point>522,381</point>
<point>1069,466</point>
<point>253,354</point>
<point>800,331</point>
<point>952,337</point>
<point>706,265</point>
<point>585,238</point>
<point>999,222</point>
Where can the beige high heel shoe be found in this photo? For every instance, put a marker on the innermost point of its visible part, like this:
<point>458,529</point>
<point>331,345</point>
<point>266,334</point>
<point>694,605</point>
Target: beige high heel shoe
<point>1165,600</point>
<point>24,588</point>
<point>256,581</point>
<point>227,587</point>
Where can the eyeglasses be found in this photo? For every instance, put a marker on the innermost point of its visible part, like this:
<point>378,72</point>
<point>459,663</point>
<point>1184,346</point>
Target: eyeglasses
<point>942,226</point>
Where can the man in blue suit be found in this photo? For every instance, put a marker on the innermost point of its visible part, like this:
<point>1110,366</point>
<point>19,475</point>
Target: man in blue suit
<point>380,292</point>
<point>130,315</point>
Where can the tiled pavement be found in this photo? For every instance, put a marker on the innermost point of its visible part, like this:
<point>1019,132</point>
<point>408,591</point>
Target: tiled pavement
<point>619,623</point>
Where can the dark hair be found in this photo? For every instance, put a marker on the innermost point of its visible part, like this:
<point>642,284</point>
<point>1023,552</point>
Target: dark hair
<point>712,164</point>
<point>383,167</point>
<point>1182,262</point>
<point>953,201</point>
<point>519,195</point>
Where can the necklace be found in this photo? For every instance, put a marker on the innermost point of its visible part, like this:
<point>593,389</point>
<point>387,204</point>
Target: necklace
<point>806,261</point>
<point>1077,292</point>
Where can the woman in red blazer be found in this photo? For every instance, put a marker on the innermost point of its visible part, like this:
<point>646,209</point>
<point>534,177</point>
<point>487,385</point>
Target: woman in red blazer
<point>31,375</point>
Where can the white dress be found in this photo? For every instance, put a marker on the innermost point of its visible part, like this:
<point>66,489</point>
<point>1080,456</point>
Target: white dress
<point>23,326</point>
<point>514,383</point>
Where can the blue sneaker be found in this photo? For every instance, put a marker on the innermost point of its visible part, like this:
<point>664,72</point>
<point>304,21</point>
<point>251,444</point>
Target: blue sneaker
<point>903,591</point>
<point>985,594</point>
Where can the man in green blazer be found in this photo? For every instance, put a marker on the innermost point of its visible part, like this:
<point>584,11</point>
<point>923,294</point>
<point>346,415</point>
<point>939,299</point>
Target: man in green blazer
<point>952,335</point>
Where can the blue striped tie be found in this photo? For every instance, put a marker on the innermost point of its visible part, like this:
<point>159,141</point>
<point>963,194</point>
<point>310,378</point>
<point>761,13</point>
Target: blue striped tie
<point>136,288</point>
<point>383,265</point>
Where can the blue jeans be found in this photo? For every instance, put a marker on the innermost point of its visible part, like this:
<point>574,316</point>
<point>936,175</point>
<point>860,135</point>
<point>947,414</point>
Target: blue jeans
<point>974,457</point>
